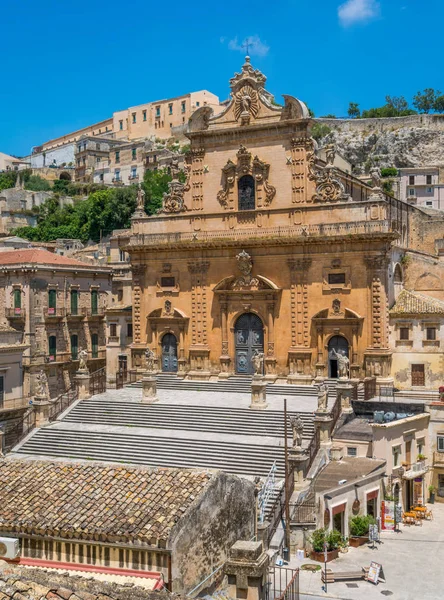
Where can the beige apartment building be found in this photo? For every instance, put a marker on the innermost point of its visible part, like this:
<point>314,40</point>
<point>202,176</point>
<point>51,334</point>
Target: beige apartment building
<point>58,304</point>
<point>162,118</point>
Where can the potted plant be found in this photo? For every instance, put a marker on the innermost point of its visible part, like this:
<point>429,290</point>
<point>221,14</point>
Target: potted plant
<point>432,491</point>
<point>421,457</point>
<point>359,526</point>
<point>322,536</point>
<point>343,545</point>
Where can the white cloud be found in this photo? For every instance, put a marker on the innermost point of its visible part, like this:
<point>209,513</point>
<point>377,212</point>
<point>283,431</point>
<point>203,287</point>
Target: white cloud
<point>256,47</point>
<point>357,11</point>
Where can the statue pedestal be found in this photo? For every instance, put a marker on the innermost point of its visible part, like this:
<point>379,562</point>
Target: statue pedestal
<point>149,389</point>
<point>258,393</point>
<point>322,422</point>
<point>82,379</point>
<point>41,407</point>
<point>298,459</point>
<point>344,391</point>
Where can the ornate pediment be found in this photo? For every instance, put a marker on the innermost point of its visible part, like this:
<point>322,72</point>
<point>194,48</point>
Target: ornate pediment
<point>329,188</point>
<point>173,200</point>
<point>245,281</point>
<point>246,165</point>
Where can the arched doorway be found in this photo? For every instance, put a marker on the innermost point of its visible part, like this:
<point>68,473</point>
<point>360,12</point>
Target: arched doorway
<point>337,344</point>
<point>169,353</point>
<point>248,337</point>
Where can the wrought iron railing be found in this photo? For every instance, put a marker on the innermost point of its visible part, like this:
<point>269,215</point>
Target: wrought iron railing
<point>313,448</point>
<point>282,584</point>
<point>335,412</point>
<point>97,382</point>
<point>15,434</point>
<point>266,492</point>
<point>369,388</point>
<point>304,512</point>
<point>63,401</point>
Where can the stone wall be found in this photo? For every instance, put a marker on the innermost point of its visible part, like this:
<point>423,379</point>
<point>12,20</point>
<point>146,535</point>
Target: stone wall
<point>223,515</point>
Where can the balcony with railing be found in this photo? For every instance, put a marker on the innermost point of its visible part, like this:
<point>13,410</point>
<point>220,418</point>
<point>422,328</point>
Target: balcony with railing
<point>16,314</point>
<point>114,339</point>
<point>74,314</point>
<point>97,354</point>
<point>58,357</point>
<point>54,314</point>
<point>94,313</point>
<point>416,469</point>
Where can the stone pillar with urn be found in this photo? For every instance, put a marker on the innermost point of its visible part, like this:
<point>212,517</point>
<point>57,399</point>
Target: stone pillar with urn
<point>224,358</point>
<point>246,569</point>
<point>270,360</point>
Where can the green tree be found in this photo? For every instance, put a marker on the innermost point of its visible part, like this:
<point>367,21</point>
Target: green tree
<point>36,183</point>
<point>155,184</point>
<point>398,103</point>
<point>438,106</point>
<point>354,111</point>
<point>320,130</point>
<point>7,179</point>
<point>425,101</point>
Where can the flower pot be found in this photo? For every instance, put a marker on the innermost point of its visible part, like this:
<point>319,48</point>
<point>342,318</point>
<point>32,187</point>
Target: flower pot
<point>319,556</point>
<point>432,498</point>
<point>357,541</point>
<point>343,550</point>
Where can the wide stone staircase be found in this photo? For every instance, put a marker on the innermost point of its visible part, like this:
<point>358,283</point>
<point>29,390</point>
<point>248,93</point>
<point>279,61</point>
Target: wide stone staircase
<point>229,420</point>
<point>237,440</point>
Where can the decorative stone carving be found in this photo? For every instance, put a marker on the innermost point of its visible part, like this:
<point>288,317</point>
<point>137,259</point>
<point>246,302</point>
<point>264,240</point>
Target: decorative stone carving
<point>149,360</point>
<point>375,174</point>
<point>322,397</point>
<point>343,364</point>
<point>42,382</point>
<point>83,355</point>
<point>168,309</point>
<point>140,200</point>
<point>245,265</point>
<point>173,201</point>
<point>245,165</point>
<point>246,104</point>
<point>336,306</point>
<point>328,187</point>
<point>298,429</point>
<point>330,153</point>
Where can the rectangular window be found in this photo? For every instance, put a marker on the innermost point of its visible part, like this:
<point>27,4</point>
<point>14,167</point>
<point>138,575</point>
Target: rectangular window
<point>121,125</point>
<point>117,175</point>
<point>113,329</point>
<point>144,115</point>
<point>411,192</point>
<point>429,203</point>
<point>52,345</point>
<point>440,442</point>
<point>95,345</point>
<point>117,156</point>
<point>404,333</point>
<point>431,333</point>
<point>428,179</point>
<point>133,172</point>
<point>134,117</point>
<point>352,451</point>
<point>74,302</point>
<point>336,278</point>
<point>79,147</point>
<point>418,375</point>
<point>396,453</point>
<point>167,281</point>
<point>97,159</point>
<point>411,180</point>
<point>197,104</point>
<point>52,302</point>
<point>134,153</point>
<point>74,347</point>
<point>121,255</point>
<point>157,111</point>
<point>129,330</point>
<point>429,190</point>
<point>183,106</point>
<point>94,302</point>
<point>170,109</point>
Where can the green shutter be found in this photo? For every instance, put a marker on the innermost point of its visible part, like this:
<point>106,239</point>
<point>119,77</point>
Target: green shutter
<point>94,302</point>
<point>52,347</point>
<point>52,301</point>
<point>17,299</point>
<point>95,345</point>
<point>74,347</point>
<point>74,302</point>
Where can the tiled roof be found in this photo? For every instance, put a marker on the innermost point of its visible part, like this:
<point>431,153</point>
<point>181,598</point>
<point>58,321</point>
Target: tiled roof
<point>19,583</point>
<point>414,303</point>
<point>37,256</point>
<point>95,501</point>
<point>348,468</point>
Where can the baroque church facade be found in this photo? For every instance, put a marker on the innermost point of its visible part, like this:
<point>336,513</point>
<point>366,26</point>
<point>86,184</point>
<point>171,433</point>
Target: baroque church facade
<point>266,247</point>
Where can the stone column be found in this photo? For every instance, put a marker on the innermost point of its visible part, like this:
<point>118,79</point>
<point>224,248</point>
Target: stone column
<point>182,361</point>
<point>149,389</point>
<point>270,360</point>
<point>258,393</point>
<point>82,380</point>
<point>320,366</point>
<point>246,569</point>
<point>322,423</point>
<point>224,357</point>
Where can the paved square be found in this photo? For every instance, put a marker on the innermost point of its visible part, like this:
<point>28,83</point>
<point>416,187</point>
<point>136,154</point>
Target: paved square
<point>413,563</point>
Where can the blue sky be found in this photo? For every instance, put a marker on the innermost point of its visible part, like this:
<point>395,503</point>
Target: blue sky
<point>68,64</point>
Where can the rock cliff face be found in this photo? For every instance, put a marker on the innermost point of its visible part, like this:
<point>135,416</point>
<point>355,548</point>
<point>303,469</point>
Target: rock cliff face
<point>413,141</point>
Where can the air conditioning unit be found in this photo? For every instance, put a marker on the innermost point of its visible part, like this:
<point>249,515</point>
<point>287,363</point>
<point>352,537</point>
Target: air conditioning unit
<point>9,547</point>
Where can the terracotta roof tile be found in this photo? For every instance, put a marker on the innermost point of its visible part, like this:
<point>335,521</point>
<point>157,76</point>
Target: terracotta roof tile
<point>37,256</point>
<point>409,303</point>
<point>87,501</point>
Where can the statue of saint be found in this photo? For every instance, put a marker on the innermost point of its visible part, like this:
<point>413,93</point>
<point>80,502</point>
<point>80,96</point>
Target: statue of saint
<point>83,355</point>
<point>376,177</point>
<point>258,362</point>
<point>149,360</point>
<point>140,198</point>
<point>298,429</point>
<point>343,364</point>
<point>322,397</point>
<point>41,383</point>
